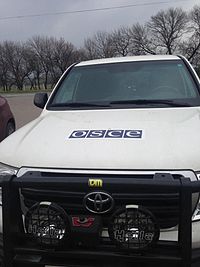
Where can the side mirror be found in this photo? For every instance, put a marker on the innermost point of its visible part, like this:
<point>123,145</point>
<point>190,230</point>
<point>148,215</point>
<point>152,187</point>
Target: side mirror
<point>40,100</point>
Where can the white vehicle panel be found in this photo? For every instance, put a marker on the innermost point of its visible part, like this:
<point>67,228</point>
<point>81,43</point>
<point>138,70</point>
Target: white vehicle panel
<point>169,140</point>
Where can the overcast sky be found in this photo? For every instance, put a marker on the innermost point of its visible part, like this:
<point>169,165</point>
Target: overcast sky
<point>78,26</point>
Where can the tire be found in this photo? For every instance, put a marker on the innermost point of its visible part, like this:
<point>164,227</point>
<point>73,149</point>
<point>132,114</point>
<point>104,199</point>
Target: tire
<point>10,128</point>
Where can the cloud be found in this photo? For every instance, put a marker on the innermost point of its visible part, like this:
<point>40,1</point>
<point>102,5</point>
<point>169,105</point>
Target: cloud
<point>74,27</point>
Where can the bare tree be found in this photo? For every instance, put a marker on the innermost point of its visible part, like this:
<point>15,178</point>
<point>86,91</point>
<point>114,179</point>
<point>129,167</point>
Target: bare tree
<point>15,54</point>
<point>195,17</point>
<point>121,41</point>
<point>141,40</point>
<point>191,46</point>
<point>64,54</point>
<point>167,28</point>
<point>100,46</point>
<point>89,49</point>
<point>5,78</point>
<point>42,49</point>
<point>52,57</point>
<point>79,55</point>
<point>35,66</point>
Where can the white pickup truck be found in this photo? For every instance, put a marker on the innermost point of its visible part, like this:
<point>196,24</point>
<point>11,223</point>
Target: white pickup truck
<point>109,172</point>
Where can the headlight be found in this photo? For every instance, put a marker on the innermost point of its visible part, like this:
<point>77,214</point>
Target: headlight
<point>6,170</point>
<point>196,215</point>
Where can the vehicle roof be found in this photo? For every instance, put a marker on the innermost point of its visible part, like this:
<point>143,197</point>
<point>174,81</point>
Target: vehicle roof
<point>127,59</point>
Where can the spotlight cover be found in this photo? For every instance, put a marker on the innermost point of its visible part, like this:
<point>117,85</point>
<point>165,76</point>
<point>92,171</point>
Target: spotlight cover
<point>133,227</point>
<point>48,223</point>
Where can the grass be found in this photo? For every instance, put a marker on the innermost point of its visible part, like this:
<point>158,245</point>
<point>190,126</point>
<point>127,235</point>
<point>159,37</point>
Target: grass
<point>24,91</point>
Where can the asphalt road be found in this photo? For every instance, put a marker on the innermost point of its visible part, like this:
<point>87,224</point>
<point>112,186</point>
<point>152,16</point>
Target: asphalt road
<point>23,108</point>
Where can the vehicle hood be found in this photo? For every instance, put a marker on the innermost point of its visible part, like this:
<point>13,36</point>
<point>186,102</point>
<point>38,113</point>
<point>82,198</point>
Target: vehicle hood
<point>170,140</point>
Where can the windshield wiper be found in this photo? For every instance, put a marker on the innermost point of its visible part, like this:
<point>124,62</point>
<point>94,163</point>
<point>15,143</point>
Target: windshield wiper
<point>79,104</point>
<point>151,101</point>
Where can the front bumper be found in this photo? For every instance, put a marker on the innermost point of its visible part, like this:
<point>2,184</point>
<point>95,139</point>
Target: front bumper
<point>18,251</point>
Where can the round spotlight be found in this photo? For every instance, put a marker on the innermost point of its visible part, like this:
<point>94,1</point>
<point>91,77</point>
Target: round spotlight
<point>133,228</point>
<point>47,223</point>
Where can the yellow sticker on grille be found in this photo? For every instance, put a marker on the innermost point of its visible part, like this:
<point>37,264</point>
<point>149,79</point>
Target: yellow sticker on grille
<point>95,183</point>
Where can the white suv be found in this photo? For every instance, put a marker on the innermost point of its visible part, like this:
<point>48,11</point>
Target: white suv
<point>109,169</point>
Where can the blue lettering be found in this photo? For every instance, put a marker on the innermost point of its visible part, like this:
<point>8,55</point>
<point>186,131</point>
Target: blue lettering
<point>133,134</point>
<point>96,134</point>
<point>106,134</point>
<point>114,134</point>
<point>79,134</point>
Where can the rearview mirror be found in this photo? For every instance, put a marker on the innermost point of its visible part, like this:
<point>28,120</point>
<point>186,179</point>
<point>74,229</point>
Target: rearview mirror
<point>40,100</point>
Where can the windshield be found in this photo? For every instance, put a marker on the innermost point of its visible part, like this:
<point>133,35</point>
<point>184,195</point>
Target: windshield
<point>129,83</point>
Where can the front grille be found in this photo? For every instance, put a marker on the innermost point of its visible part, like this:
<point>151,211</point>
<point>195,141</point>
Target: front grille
<point>163,206</point>
<point>70,201</point>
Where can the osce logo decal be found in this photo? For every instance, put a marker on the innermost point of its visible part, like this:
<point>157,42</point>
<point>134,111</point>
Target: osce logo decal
<point>106,134</point>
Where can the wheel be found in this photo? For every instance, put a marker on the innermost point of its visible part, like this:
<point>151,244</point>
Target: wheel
<point>10,128</point>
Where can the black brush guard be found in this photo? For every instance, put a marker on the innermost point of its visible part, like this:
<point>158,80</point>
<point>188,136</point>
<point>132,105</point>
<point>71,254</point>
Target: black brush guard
<point>172,253</point>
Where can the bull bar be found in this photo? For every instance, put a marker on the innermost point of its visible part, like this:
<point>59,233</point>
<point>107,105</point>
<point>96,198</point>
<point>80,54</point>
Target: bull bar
<point>17,253</point>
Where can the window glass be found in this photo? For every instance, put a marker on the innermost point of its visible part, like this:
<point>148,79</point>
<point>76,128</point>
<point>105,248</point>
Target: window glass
<point>149,80</point>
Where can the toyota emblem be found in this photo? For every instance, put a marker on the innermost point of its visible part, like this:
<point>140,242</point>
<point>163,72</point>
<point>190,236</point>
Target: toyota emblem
<point>98,202</point>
